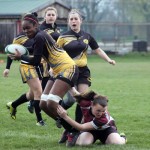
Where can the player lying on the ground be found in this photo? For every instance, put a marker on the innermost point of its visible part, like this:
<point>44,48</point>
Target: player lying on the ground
<point>97,122</point>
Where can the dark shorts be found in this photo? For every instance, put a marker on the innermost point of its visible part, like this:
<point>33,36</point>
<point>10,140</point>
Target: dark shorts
<point>103,134</point>
<point>84,76</point>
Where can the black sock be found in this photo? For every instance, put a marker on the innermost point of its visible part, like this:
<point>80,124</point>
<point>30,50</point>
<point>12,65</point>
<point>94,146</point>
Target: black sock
<point>78,114</point>
<point>69,101</point>
<point>67,126</point>
<point>31,102</point>
<point>22,99</point>
<point>37,110</point>
<point>62,103</point>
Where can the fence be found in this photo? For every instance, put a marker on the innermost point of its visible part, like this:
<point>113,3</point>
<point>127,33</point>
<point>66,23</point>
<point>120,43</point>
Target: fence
<point>119,36</point>
<point>7,33</point>
<point>111,36</point>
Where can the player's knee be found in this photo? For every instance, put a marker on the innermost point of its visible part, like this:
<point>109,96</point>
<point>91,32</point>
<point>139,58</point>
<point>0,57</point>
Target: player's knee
<point>85,139</point>
<point>29,95</point>
<point>54,98</point>
<point>43,105</point>
<point>114,138</point>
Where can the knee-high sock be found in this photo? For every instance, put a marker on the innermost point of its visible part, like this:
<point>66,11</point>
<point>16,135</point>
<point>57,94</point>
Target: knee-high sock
<point>37,110</point>
<point>67,126</point>
<point>78,114</point>
<point>68,102</point>
<point>22,99</point>
<point>63,104</point>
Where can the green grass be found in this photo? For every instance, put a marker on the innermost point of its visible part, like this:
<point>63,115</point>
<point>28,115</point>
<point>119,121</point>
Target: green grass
<point>127,86</point>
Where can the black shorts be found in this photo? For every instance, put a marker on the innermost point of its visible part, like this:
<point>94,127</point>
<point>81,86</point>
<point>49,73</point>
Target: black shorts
<point>103,134</point>
<point>84,76</point>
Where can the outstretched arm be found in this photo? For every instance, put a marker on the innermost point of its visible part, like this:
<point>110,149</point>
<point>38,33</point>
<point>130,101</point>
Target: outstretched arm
<point>104,56</point>
<point>81,127</point>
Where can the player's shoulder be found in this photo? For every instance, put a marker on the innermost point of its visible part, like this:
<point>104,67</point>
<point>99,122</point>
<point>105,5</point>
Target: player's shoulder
<point>67,34</point>
<point>20,35</point>
<point>85,33</point>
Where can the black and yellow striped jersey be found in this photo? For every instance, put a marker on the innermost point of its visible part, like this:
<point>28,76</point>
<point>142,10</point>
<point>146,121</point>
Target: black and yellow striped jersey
<point>76,45</point>
<point>22,39</point>
<point>45,46</point>
<point>53,30</point>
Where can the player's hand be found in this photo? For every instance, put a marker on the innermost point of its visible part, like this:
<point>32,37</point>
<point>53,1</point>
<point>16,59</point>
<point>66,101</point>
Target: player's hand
<point>15,56</point>
<point>61,111</point>
<point>6,72</point>
<point>112,62</point>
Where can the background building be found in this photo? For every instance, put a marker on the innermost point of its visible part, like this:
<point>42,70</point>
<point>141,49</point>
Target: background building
<point>12,11</point>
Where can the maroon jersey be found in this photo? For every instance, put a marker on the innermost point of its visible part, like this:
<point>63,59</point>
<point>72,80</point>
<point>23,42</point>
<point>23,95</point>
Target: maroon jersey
<point>101,123</point>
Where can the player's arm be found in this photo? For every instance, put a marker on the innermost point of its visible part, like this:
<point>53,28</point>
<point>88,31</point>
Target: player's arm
<point>36,58</point>
<point>104,56</point>
<point>6,71</point>
<point>9,60</point>
<point>94,46</point>
<point>81,127</point>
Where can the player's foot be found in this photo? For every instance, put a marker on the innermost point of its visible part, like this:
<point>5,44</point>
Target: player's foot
<point>41,123</point>
<point>124,136</point>
<point>31,107</point>
<point>64,137</point>
<point>72,138</point>
<point>12,110</point>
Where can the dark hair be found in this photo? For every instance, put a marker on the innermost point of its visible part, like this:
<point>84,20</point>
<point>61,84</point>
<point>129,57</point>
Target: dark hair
<point>101,100</point>
<point>31,17</point>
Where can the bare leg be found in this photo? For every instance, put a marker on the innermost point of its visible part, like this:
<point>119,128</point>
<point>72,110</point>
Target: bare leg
<point>115,138</point>
<point>43,103</point>
<point>85,138</point>
<point>60,88</point>
<point>36,88</point>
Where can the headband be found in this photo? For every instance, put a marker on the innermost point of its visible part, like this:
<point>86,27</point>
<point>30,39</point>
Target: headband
<point>28,18</point>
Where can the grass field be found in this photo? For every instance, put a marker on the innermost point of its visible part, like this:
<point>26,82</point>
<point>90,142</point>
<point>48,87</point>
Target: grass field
<point>127,86</point>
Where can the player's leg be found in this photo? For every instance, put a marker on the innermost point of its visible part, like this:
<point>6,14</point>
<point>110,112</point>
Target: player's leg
<point>36,88</point>
<point>115,138</point>
<point>12,106</point>
<point>84,139</point>
<point>44,97</point>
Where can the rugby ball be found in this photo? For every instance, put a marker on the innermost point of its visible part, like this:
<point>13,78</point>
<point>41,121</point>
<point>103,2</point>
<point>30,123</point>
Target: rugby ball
<point>11,49</point>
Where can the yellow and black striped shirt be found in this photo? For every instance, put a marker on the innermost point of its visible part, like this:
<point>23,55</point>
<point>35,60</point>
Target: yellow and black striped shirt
<point>76,45</point>
<point>45,46</point>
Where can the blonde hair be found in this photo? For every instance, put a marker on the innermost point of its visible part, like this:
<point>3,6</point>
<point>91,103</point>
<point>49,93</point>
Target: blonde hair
<point>51,8</point>
<point>75,11</point>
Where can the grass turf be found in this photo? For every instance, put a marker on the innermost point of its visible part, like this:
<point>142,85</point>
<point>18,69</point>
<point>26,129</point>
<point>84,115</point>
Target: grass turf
<point>127,86</point>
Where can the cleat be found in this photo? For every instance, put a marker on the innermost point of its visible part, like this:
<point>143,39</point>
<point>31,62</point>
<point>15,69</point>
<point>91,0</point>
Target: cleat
<point>63,137</point>
<point>41,123</point>
<point>72,138</point>
<point>58,123</point>
<point>12,110</point>
<point>30,107</point>
<point>124,136</point>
